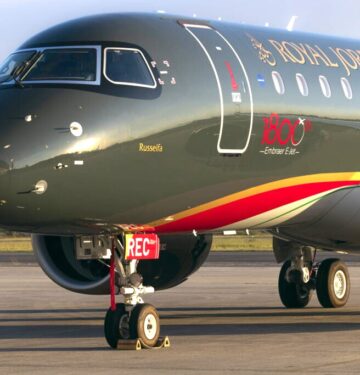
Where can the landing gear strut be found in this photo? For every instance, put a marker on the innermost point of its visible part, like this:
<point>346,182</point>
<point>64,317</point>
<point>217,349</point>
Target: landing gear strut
<point>300,276</point>
<point>132,319</point>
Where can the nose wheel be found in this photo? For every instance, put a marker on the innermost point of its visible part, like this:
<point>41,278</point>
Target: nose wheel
<point>142,323</point>
<point>145,324</point>
<point>116,325</point>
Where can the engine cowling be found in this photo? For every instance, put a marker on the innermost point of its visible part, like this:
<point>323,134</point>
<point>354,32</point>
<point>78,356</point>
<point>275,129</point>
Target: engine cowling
<point>180,256</point>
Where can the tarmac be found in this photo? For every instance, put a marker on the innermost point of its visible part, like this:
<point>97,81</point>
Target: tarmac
<point>226,319</point>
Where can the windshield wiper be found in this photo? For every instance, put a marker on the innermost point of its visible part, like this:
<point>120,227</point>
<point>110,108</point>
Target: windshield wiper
<point>18,72</point>
<point>15,74</point>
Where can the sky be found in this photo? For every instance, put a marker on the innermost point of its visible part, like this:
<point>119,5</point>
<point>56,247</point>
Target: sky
<point>20,19</point>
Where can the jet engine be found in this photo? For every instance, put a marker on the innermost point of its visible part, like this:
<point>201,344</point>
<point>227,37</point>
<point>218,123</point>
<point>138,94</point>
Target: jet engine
<point>180,256</point>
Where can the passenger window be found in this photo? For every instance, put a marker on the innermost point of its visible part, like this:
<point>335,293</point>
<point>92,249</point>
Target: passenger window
<point>302,84</point>
<point>346,88</point>
<point>278,83</point>
<point>128,66</point>
<point>325,86</point>
<point>64,64</point>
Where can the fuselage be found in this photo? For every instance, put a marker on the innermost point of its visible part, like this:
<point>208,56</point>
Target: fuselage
<point>229,127</point>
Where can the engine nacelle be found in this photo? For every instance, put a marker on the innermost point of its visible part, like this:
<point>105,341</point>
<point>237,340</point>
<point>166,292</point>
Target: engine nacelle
<point>180,256</point>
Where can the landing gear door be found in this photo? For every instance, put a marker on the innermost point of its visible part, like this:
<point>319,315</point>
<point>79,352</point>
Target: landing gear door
<point>235,97</point>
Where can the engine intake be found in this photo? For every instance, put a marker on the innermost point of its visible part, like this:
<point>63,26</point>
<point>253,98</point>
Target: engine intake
<point>180,256</point>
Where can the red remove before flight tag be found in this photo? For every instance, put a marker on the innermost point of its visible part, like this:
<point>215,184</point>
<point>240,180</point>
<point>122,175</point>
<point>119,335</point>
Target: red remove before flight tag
<point>142,247</point>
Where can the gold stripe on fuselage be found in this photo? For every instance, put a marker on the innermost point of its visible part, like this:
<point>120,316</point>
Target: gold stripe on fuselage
<point>289,182</point>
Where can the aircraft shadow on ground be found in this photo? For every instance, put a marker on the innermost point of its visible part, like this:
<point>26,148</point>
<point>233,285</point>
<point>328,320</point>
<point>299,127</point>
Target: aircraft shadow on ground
<point>266,320</point>
<point>259,321</point>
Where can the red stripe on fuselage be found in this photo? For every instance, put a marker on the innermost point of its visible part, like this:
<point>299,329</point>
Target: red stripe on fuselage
<point>246,208</point>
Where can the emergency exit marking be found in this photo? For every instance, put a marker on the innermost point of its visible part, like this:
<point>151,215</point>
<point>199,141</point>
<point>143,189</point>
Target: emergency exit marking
<point>142,247</point>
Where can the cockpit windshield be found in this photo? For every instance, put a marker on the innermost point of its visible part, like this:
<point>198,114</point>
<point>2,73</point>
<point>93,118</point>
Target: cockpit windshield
<point>79,65</point>
<point>64,64</point>
<point>128,66</point>
<point>12,63</point>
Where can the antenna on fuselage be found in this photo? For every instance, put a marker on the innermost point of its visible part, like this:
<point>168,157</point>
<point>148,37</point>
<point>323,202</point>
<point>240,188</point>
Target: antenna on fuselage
<point>291,24</point>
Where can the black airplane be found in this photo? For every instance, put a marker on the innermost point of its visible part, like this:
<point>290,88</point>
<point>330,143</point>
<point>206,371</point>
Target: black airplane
<point>128,140</point>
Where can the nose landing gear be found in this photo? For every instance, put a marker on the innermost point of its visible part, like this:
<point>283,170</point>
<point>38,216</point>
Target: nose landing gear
<point>132,321</point>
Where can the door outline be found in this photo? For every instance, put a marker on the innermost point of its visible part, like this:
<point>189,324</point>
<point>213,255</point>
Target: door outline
<point>219,149</point>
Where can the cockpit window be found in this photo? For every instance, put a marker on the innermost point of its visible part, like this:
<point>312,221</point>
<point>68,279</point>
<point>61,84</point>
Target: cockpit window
<point>128,66</point>
<point>64,64</point>
<point>13,63</point>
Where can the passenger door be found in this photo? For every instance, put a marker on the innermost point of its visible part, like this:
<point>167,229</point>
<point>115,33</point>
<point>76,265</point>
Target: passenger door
<point>235,96</point>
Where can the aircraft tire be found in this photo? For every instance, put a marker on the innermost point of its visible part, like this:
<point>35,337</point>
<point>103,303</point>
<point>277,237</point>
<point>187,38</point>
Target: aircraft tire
<point>333,283</point>
<point>145,324</point>
<point>116,325</point>
<point>292,295</point>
